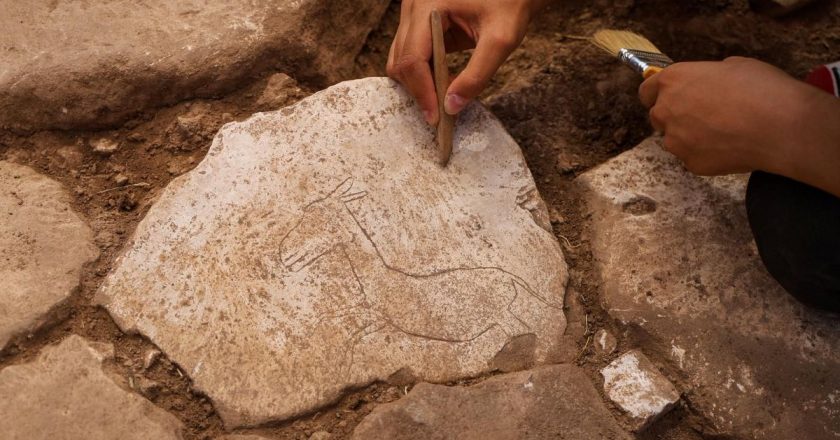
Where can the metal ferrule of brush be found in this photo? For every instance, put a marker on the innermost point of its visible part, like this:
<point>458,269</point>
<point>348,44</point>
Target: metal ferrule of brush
<point>640,60</point>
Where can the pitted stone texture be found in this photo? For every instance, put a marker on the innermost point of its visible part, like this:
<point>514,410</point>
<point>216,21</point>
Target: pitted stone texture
<point>320,247</point>
<point>43,246</point>
<point>556,402</point>
<point>65,394</point>
<point>678,260</point>
<point>77,63</point>
<point>635,385</point>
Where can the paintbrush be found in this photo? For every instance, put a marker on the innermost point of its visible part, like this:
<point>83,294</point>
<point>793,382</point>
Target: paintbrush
<point>632,49</point>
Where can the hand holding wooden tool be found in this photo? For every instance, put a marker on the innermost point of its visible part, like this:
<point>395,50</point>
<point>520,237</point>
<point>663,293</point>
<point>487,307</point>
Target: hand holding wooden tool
<point>446,122</point>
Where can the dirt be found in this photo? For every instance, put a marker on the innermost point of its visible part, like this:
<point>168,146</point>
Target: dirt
<point>569,107</point>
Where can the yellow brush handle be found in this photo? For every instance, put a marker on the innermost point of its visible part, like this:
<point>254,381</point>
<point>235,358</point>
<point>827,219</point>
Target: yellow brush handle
<point>650,71</point>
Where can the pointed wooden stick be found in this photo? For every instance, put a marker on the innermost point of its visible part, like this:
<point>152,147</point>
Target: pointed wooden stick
<point>446,123</point>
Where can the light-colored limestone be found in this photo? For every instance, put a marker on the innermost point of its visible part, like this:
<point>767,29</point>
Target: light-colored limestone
<point>678,260</point>
<point>65,394</point>
<point>320,247</point>
<point>82,63</point>
<point>43,246</point>
<point>556,402</point>
<point>637,387</point>
<point>605,342</point>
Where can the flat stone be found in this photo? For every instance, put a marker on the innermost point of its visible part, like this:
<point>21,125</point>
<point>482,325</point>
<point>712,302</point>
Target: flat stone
<point>634,384</point>
<point>81,64</point>
<point>552,402</point>
<point>43,246</point>
<point>678,262</point>
<point>65,394</point>
<point>320,247</point>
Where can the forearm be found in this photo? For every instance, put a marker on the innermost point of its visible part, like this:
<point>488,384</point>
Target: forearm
<point>811,150</point>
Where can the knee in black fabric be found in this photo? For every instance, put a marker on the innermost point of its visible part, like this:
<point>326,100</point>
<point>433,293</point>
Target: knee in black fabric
<point>797,231</point>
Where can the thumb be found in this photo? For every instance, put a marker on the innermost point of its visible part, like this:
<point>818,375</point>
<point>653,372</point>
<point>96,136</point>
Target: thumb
<point>490,52</point>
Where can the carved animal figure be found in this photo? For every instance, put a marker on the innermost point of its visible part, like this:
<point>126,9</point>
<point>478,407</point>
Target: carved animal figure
<point>455,305</point>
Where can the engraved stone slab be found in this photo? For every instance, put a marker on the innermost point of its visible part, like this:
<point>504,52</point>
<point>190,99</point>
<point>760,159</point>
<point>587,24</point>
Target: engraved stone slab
<point>66,394</point>
<point>321,247</point>
<point>678,261</point>
<point>552,402</point>
<point>76,63</point>
<point>43,246</point>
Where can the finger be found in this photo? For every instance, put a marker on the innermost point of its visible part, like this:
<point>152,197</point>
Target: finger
<point>412,67</point>
<point>389,65</point>
<point>490,52</point>
<point>657,119</point>
<point>399,37</point>
<point>649,91</point>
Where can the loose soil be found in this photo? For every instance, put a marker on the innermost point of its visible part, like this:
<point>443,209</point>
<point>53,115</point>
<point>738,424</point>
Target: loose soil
<point>568,106</point>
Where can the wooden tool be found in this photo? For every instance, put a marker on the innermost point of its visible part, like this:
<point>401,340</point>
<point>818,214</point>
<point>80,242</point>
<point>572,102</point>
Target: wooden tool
<point>446,122</point>
<point>634,50</point>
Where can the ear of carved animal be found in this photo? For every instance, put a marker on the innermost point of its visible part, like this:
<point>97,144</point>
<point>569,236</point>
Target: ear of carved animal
<point>345,191</point>
<point>353,196</point>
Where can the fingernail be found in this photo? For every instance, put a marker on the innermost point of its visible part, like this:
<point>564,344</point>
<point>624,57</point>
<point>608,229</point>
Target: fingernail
<point>454,103</point>
<point>428,116</point>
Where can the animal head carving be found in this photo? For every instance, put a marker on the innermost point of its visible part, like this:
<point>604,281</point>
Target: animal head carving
<point>325,224</point>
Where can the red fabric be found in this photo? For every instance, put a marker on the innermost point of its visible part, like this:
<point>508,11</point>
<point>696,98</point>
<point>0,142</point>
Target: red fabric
<point>826,77</point>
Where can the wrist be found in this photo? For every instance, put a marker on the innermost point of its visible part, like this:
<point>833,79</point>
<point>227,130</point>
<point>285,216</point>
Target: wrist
<point>808,147</point>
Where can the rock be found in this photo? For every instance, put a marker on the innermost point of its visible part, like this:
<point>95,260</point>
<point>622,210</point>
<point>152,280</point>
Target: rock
<point>320,435</point>
<point>605,342</point>
<point>65,393</point>
<point>150,358</point>
<point>104,146</point>
<point>242,437</point>
<point>679,263</point>
<point>320,247</point>
<point>634,384</point>
<point>546,403</point>
<point>115,59</point>
<point>43,246</point>
<point>120,179</point>
<point>278,89</point>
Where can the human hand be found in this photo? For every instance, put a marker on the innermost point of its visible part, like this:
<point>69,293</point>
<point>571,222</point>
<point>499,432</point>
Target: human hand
<point>742,115</point>
<point>494,29</point>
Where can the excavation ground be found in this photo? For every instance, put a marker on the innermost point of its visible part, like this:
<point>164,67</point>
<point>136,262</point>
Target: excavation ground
<point>567,105</point>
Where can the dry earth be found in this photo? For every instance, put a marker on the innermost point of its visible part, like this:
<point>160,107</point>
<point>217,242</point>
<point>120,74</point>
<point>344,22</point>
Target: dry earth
<point>569,107</point>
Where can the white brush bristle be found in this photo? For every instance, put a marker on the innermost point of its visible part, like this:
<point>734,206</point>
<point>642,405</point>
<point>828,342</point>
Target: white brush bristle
<point>613,41</point>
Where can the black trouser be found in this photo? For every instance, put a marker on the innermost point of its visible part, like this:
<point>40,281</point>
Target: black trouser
<point>797,230</point>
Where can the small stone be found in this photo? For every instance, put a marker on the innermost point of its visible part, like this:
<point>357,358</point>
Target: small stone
<point>634,384</point>
<point>605,342</point>
<point>278,91</point>
<point>320,435</point>
<point>148,387</point>
<point>567,163</point>
<point>65,393</point>
<point>120,179</point>
<point>150,358</point>
<point>104,146</point>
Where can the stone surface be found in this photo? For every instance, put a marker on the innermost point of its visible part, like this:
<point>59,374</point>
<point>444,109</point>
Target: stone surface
<point>91,64</point>
<point>634,384</point>
<point>65,394</point>
<point>43,246</point>
<point>320,247</point>
<point>555,402</point>
<point>678,261</point>
<point>242,437</point>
